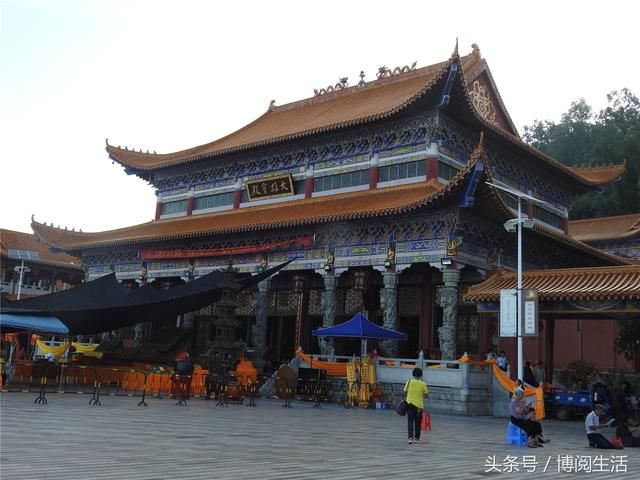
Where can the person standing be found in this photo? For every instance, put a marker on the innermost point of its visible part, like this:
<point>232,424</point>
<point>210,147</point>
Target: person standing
<point>416,390</point>
<point>592,425</point>
<point>539,373</point>
<point>529,377</point>
<point>502,361</point>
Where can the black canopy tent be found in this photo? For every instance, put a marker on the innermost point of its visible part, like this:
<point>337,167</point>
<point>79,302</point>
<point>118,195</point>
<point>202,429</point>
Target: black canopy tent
<point>104,304</point>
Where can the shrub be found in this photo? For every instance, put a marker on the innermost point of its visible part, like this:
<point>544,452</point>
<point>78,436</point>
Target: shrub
<point>581,373</point>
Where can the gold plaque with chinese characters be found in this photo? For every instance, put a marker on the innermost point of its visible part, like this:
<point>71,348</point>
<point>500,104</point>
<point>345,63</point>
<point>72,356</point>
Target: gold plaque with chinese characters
<point>281,186</point>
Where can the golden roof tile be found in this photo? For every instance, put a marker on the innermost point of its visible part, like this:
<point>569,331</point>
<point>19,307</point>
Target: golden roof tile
<point>618,227</point>
<point>347,206</point>
<point>599,283</point>
<point>600,174</point>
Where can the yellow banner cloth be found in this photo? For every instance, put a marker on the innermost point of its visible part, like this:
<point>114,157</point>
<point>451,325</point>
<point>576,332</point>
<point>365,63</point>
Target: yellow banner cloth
<point>84,348</point>
<point>57,351</point>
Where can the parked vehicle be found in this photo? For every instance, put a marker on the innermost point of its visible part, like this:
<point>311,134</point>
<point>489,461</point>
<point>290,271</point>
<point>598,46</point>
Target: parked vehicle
<point>564,403</point>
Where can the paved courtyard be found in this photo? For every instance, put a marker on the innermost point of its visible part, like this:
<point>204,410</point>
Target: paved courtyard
<point>67,439</point>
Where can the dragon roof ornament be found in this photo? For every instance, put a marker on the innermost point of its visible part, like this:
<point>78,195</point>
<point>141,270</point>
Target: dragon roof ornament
<point>341,85</point>
<point>384,72</point>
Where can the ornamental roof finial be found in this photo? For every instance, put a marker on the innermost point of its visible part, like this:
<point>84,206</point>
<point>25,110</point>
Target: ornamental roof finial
<point>455,50</point>
<point>272,105</point>
<point>361,82</point>
<point>106,140</point>
<point>475,50</point>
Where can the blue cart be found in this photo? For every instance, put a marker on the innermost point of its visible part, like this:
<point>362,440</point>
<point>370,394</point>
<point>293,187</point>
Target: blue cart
<point>564,403</point>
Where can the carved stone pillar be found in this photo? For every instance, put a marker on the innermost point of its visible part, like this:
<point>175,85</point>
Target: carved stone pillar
<point>449,302</point>
<point>259,329</point>
<point>328,307</point>
<point>389,304</point>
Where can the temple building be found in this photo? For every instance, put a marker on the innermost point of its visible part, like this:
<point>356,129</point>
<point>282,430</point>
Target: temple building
<point>378,192</point>
<point>44,271</point>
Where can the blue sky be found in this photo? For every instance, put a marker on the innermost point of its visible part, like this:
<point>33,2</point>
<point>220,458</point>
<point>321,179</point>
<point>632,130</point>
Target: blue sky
<point>170,75</point>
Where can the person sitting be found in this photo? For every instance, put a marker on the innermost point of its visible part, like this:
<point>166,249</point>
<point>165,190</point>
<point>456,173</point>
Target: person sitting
<point>521,418</point>
<point>592,425</point>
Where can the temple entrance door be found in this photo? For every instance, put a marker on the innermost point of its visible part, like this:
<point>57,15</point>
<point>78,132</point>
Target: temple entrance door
<point>410,326</point>
<point>280,338</point>
<point>467,330</point>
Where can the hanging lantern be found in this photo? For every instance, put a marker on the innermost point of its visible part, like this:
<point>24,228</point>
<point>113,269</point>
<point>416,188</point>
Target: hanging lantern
<point>297,283</point>
<point>359,280</point>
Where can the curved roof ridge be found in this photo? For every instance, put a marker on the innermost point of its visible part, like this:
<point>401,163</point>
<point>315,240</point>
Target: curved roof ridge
<point>409,89</point>
<point>378,82</point>
<point>518,142</point>
<point>505,211</point>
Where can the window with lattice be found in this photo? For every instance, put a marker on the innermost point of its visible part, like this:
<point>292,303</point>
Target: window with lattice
<point>246,303</point>
<point>409,299</point>
<point>287,303</point>
<point>468,332</point>
<point>315,307</point>
<point>353,302</point>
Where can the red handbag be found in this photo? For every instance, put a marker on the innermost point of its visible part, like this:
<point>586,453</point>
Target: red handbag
<point>617,442</point>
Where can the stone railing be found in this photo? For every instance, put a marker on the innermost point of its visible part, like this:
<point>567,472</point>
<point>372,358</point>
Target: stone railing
<point>454,387</point>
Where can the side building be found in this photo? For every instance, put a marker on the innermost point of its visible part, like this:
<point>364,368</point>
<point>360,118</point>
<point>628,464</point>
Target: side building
<point>44,271</point>
<point>378,194</point>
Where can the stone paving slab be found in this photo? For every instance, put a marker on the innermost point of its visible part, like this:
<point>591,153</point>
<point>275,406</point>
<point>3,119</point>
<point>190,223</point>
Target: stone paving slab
<point>68,439</point>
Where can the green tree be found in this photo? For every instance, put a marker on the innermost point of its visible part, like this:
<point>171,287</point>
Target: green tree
<point>584,138</point>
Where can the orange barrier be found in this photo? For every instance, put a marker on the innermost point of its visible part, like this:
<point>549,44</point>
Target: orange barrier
<point>333,369</point>
<point>509,385</point>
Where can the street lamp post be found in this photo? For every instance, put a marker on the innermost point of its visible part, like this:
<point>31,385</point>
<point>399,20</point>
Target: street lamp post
<point>22,269</point>
<point>519,299</point>
<point>516,224</point>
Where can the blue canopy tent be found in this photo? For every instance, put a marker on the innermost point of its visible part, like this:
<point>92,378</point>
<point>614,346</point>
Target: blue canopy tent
<point>42,324</point>
<point>359,327</point>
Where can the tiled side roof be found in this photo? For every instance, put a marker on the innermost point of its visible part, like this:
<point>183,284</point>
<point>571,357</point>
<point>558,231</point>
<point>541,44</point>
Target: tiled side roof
<point>605,228</point>
<point>600,175</point>
<point>12,240</point>
<point>348,206</point>
<point>621,282</point>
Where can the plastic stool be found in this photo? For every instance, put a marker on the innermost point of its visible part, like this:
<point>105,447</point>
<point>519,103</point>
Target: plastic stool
<point>515,435</point>
<point>426,421</point>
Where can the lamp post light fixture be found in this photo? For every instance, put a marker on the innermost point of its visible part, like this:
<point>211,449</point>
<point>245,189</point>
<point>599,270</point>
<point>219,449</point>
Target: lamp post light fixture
<point>445,261</point>
<point>512,225</point>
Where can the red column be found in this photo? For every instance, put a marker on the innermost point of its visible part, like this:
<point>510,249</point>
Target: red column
<point>432,168</point>
<point>528,208</point>
<point>373,177</point>
<point>158,209</point>
<point>565,226</point>
<point>190,202</point>
<point>237,197</point>
<point>308,185</point>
